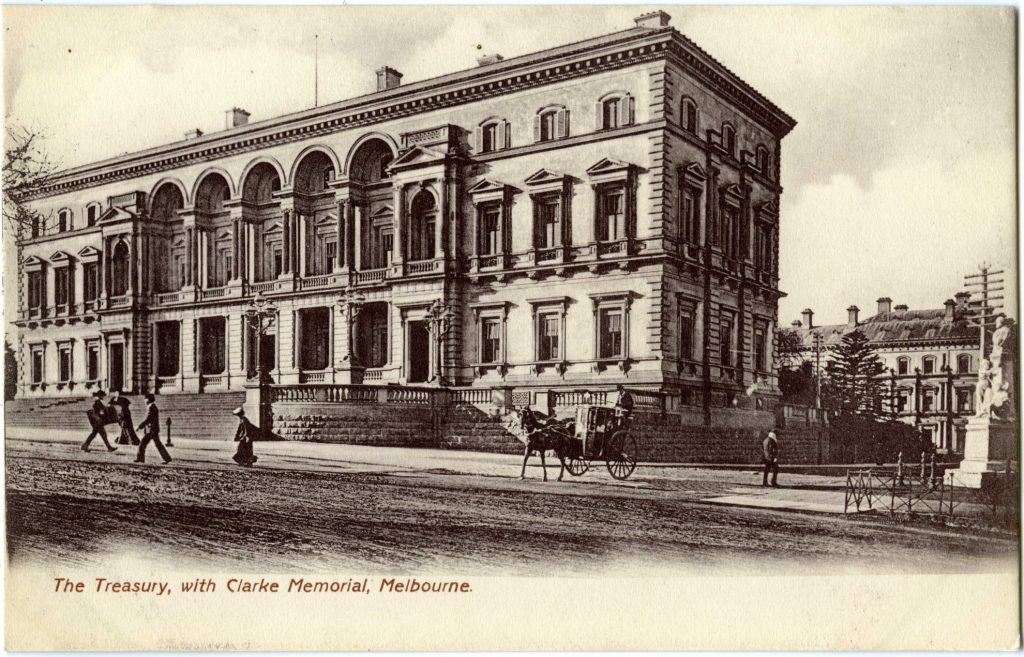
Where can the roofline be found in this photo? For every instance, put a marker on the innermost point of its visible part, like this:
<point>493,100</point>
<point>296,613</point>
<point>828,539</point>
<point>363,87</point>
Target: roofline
<point>660,38</point>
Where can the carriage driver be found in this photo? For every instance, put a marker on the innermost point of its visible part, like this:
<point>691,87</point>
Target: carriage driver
<point>623,405</point>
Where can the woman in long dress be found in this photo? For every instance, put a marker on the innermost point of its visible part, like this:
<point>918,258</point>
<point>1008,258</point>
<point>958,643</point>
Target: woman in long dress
<point>244,436</point>
<point>124,418</point>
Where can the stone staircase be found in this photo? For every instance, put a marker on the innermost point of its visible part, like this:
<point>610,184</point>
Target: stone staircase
<point>204,416</point>
<point>472,428</point>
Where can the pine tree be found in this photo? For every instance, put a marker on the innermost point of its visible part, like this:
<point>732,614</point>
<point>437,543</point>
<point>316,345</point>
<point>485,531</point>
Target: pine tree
<point>855,386</point>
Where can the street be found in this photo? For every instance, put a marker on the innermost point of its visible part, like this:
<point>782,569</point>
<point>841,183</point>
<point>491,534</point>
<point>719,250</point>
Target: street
<point>309,507</point>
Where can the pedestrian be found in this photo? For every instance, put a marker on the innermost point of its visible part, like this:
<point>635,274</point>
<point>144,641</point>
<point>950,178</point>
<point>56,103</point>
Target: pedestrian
<point>152,427</point>
<point>97,417</point>
<point>128,435</point>
<point>244,436</point>
<point>770,455</point>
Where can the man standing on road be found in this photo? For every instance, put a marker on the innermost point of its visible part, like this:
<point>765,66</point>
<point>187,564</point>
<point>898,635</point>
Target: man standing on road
<point>770,449</point>
<point>97,417</point>
<point>152,427</point>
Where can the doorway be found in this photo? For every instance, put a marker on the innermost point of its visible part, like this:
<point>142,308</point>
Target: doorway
<point>419,352</point>
<point>116,367</point>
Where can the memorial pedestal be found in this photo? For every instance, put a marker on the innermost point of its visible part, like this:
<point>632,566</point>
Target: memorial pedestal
<point>987,447</point>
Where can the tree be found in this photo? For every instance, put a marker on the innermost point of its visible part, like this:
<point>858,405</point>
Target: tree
<point>27,168</point>
<point>855,386</point>
<point>796,373</point>
<point>10,371</point>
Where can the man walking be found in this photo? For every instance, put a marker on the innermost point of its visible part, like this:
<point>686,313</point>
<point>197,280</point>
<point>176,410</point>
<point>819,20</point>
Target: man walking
<point>152,426</point>
<point>770,455</point>
<point>97,416</point>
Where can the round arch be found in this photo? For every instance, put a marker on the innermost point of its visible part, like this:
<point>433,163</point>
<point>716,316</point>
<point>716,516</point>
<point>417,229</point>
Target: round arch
<point>232,189</point>
<point>363,140</point>
<point>159,186</point>
<point>326,150</point>
<point>263,160</point>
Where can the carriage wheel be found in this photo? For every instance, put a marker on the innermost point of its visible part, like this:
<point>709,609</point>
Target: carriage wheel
<point>576,465</point>
<point>621,452</point>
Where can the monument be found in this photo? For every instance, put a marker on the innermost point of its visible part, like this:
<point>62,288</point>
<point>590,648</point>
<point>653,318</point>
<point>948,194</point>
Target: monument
<point>991,443</point>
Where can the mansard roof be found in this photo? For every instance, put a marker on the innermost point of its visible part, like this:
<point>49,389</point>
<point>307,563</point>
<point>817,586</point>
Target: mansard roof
<point>616,50</point>
<point>901,326</point>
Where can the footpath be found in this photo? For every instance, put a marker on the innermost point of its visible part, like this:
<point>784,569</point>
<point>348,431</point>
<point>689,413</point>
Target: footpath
<point>735,486</point>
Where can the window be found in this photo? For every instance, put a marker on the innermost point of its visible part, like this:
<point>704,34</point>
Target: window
<point>92,362</point>
<point>212,335</point>
<point>547,126</point>
<point>963,400</point>
<point>119,273</point>
<point>727,339</point>
<point>760,347</point>
<point>36,226</point>
<point>686,334</point>
<point>424,216</point>
<point>64,363</point>
<point>928,364</point>
<point>729,138</point>
<point>963,363</point>
<point>35,289</point>
<point>90,281</point>
<point>382,246</point>
<point>315,338</point>
<point>490,340</point>
<point>549,225</point>
<point>37,364</point>
<point>330,255</point>
<point>764,247</point>
<point>62,289</point>
<point>610,325</point>
<point>731,231</point>
<point>927,401</point>
<point>763,161</point>
<point>91,215</point>
<point>611,214</point>
<point>63,220</point>
<point>610,113</point>
<point>551,123</point>
<point>328,176</point>
<point>902,366</point>
<point>489,138</point>
<point>490,230</point>
<point>688,115</point>
<point>902,399</point>
<point>689,207</point>
<point>549,330</point>
<point>278,262</point>
<point>168,340</point>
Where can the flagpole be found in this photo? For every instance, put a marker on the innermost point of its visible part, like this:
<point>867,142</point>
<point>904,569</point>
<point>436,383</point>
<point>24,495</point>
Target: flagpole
<point>316,70</point>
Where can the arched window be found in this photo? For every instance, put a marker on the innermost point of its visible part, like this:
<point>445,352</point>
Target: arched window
<point>63,221</point>
<point>119,270</point>
<point>764,161</point>
<point>728,138</point>
<point>493,135</point>
<point>928,364</point>
<point>92,213</point>
<point>688,115</point>
<point>903,365</point>
<point>369,163</point>
<point>614,111</point>
<point>551,123</point>
<point>35,225</point>
<point>963,363</point>
<point>423,219</point>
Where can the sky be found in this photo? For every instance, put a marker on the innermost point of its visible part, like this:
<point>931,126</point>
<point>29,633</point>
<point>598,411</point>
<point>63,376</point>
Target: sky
<point>899,177</point>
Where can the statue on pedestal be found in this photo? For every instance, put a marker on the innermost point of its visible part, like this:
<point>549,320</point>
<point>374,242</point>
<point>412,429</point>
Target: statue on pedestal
<point>994,396</point>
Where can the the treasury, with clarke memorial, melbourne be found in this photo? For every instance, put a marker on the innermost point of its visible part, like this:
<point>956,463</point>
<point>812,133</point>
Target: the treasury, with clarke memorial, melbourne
<point>534,230</point>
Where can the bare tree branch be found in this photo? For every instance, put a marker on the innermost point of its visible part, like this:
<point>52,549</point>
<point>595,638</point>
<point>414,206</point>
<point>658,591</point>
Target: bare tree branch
<point>27,168</point>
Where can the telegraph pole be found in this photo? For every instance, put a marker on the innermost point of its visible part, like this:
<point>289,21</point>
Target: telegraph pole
<point>817,370</point>
<point>988,286</point>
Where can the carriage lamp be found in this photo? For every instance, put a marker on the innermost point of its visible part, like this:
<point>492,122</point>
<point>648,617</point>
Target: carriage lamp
<point>351,302</point>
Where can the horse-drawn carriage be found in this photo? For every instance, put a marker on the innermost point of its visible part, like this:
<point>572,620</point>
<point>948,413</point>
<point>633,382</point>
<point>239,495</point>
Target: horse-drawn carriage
<point>597,433</point>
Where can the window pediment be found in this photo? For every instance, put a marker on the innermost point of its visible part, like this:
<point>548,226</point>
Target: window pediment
<point>115,214</point>
<point>491,308</point>
<point>32,263</point>
<point>732,195</point>
<point>89,254</point>
<point>693,174</point>
<point>549,303</point>
<point>490,190</point>
<point>417,156</point>
<point>382,212</point>
<point>546,180</point>
<point>768,212</point>
<point>609,170</point>
<point>275,228</point>
<point>60,259</point>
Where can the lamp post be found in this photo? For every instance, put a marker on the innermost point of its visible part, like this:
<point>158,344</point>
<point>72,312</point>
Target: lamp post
<point>440,318</point>
<point>351,302</point>
<point>261,315</point>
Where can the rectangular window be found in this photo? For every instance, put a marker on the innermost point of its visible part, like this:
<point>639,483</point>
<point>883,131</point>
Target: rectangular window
<point>928,365</point>
<point>902,366</point>
<point>91,215</point>
<point>229,268</point>
<point>963,364</point>
<point>549,225</point>
<point>549,328</point>
<point>731,228</point>
<point>490,231</point>
<point>37,365</point>
<point>91,281</point>
<point>686,334</point>
<point>61,278</point>
<point>548,122</point>
<point>610,113</point>
<point>727,340</point>
<point>92,362</point>
<point>902,399</point>
<point>690,220</point>
<point>490,340</point>
<point>611,216</point>
<point>760,350</point>
<point>489,136</point>
<point>278,262</point>
<point>330,256</point>
<point>927,401</point>
<point>610,333</point>
<point>64,363</point>
<point>963,401</point>
<point>35,289</point>
<point>213,344</point>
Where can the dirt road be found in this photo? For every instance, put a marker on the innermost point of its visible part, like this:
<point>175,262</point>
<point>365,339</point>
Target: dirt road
<point>87,513</point>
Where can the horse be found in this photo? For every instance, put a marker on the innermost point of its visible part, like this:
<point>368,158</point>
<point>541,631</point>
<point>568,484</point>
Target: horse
<point>540,435</point>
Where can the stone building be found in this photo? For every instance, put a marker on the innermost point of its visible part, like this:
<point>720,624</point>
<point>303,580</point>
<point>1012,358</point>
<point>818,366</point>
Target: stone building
<point>600,212</point>
<point>930,358</point>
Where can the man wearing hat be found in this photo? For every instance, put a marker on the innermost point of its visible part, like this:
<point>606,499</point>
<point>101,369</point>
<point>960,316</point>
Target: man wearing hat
<point>770,455</point>
<point>96,416</point>
<point>152,426</point>
<point>244,436</point>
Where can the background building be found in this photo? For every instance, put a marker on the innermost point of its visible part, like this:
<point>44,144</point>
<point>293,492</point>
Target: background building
<point>596,213</point>
<point>930,359</point>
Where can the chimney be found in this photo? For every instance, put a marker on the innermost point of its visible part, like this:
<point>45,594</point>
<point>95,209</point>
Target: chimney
<point>950,311</point>
<point>484,60</point>
<point>194,133</point>
<point>654,19</point>
<point>961,301</point>
<point>884,306</point>
<point>388,78</point>
<point>901,308</point>
<point>851,315</point>
<point>796,323</point>
<point>238,117</point>
<point>808,315</point>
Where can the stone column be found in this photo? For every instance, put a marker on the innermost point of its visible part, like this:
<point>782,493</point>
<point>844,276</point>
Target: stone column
<point>286,250</point>
<point>398,254</point>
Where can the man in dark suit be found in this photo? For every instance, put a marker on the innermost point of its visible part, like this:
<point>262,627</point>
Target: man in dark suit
<point>97,418</point>
<point>152,427</point>
<point>770,455</point>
